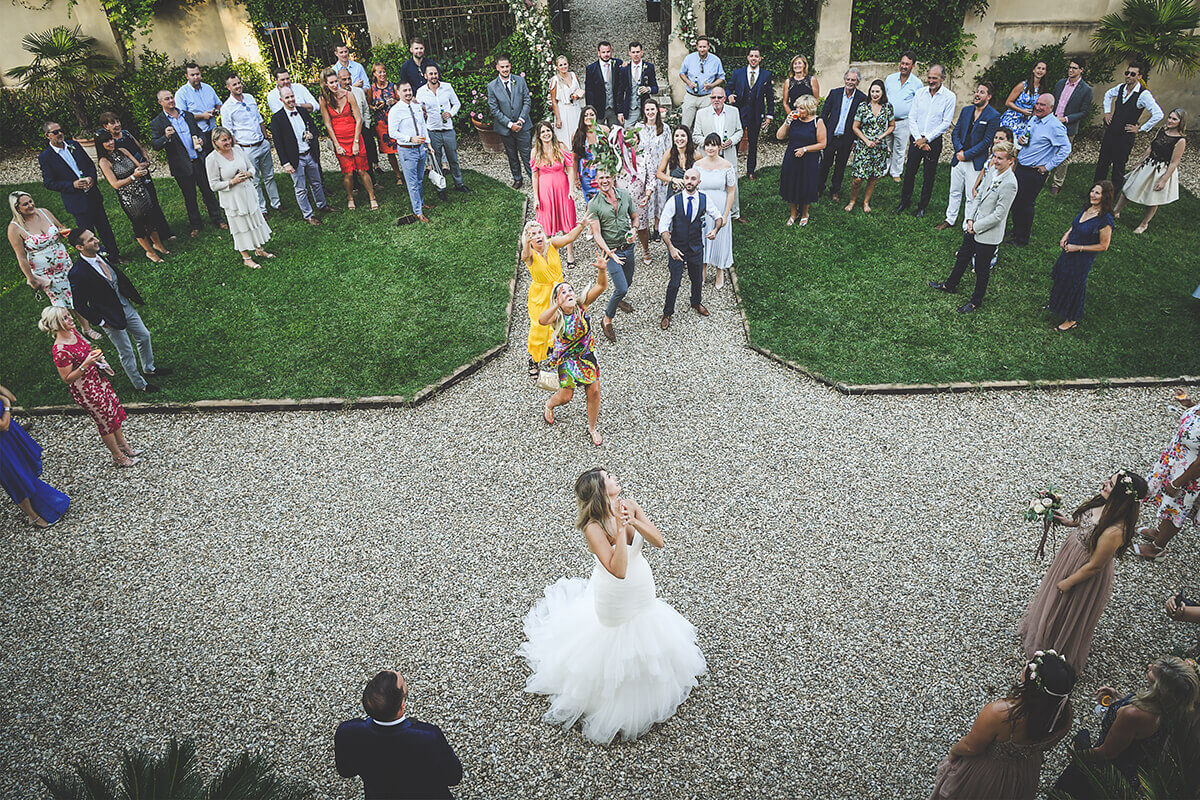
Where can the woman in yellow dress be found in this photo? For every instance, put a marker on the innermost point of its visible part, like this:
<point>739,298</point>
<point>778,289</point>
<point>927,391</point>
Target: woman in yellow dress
<point>545,269</point>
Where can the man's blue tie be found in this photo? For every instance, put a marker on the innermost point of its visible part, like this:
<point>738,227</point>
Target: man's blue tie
<point>689,208</point>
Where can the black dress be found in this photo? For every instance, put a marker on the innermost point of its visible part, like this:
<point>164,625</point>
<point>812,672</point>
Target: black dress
<point>134,148</point>
<point>1070,272</point>
<point>1140,754</point>
<point>799,175</point>
<point>797,89</point>
<point>143,212</point>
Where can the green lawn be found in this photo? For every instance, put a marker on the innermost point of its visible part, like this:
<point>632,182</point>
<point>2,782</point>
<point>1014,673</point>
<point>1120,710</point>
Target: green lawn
<point>847,296</point>
<point>354,308</point>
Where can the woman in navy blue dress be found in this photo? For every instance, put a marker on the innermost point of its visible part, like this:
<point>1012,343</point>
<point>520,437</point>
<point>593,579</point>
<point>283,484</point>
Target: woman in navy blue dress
<point>1090,234</point>
<point>20,466</point>
<point>799,177</point>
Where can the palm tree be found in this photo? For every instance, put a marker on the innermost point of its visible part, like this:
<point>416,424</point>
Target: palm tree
<point>174,774</point>
<point>67,65</point>
<point>1157,32</point>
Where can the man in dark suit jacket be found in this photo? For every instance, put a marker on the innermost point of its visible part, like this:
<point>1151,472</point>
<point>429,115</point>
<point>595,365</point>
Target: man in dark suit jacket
<point>508,100</point>
<point>838,113</point>
<point>177,133</point>
<point>603,87</point>
<point>753,93</point>
<point>68,170</point>
<point>638,81</point>
<point>971,138</point>
<point>296,140</point>
<point>397,757</point>
<point>1071,113</point>
<point>104,295</point>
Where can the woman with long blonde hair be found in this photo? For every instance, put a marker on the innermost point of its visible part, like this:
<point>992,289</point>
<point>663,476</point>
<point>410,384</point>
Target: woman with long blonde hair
<point>798,84</point>
<point>554,189</point>
<point>607,650</point>
<point>566,100</point>
<point>540,255</point>
<point>344,122</point>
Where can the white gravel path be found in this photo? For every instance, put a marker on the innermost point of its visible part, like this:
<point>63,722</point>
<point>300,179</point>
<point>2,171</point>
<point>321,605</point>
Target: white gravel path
<point>856,568</point>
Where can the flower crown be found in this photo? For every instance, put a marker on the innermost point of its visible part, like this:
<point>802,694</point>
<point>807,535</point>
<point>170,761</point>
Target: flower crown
<point>1125,484</point>
<point>1039,659</point>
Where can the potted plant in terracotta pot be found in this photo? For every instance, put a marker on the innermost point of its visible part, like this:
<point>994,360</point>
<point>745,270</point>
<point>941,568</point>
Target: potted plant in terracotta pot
<point>474,100</point>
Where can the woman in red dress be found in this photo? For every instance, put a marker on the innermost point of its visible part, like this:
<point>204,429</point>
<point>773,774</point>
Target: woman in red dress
<point>77,363</point>
<point>344,121</point>
<point>383,96</point>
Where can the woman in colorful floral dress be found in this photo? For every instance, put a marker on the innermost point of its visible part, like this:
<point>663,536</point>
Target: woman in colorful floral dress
<point>573,347</point>
<point>650,194</point>
<point>382,96</point>
<point>586,146</point>
<point>1174,486</point>
<point>1021,99</point>
<point>78,365</point>
<point>36,237</point>
<point>873,123</point>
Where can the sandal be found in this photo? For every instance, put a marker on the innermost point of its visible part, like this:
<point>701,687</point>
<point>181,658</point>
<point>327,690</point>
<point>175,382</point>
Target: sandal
<point>155,257</point>
<point>791,221</point>
<point>647,260</point>
<point>251,263</point>
<point>34,522</point>
<point>132,451</point>
<point>570,265</point>
<point>1147,533</point>
<point>849,207</point>
<point>263,254</point>
<point>597,439</point>
<point>350,204</point>
<point>93,334</point>
<point>866,209</point>
<point>548,414</point>
<point>533,370</point>
<point>128,461</point>
<point>1138,548</point>
<point>803,221</point>
<point>374,205</point>
<point>1140,229</point>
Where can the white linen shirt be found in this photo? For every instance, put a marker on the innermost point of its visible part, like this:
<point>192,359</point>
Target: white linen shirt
<point>400,122</point>
<point>931,115</point>
<point>297,123</point>
<point>243,120</point>
<point>303,97</point>
<point>1145,101</point>
<point>444,100</point>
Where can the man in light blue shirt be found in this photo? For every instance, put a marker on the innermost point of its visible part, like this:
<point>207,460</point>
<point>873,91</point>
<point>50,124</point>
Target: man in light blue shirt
<point>901,88</point>
<point>1043,148</point>
<point>358,75</point>
<point>239,113</point>
<point>200,100</point>
<point>701,71</point>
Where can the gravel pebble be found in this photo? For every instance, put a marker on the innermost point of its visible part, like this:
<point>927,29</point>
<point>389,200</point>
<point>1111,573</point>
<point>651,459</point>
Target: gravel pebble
<point>856,567</point>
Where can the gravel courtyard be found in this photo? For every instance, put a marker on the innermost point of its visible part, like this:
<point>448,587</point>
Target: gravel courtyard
<point>856,567</point>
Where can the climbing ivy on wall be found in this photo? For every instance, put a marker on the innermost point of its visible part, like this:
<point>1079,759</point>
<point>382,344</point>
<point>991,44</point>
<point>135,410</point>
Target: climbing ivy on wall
<point>881,29</point>
<point>781,28</point>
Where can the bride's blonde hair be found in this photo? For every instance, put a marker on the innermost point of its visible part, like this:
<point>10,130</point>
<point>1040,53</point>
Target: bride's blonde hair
<point>592,499</point>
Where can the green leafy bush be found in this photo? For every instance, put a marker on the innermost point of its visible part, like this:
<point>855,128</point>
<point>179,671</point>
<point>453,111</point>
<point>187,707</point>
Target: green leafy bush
<point>781,29</point>
<point>881,29</point>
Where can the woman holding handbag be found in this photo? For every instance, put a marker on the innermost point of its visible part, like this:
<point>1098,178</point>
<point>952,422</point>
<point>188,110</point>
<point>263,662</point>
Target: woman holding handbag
<point>540,255</point>
<point>573,346</point>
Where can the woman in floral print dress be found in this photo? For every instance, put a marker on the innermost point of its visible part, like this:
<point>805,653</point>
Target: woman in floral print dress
<point>79,366</point>
<point>650,194</point>
<point>1174,486</point>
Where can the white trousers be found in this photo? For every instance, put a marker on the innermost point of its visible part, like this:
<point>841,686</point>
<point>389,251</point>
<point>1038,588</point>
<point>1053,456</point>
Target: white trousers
<point>899,148</point>
<point>692,104</point>
<point>962,178</point>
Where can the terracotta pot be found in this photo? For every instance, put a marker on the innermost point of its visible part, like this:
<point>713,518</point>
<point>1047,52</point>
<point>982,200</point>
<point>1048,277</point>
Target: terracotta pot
<point>490,140</point>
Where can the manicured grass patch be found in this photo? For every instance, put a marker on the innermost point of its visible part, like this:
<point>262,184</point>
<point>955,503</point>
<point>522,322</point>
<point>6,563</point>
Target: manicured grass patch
<point>847,296</point>
<point>354,308</point>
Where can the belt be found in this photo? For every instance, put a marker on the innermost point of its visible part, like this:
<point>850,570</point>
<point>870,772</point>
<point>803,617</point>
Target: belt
<point>250,144</point>
<point>698,94</point>
<point>1022,166</point>
<point>407,145</point>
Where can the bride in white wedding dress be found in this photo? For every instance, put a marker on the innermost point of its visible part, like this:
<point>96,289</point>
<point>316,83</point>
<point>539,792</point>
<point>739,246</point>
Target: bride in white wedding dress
<point>607,650</point>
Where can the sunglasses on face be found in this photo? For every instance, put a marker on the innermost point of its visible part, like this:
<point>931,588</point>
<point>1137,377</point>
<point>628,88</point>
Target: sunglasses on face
<point>1131,73</point>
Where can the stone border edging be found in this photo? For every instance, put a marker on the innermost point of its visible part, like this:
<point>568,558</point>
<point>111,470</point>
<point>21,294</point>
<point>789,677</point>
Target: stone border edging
<point>323,403</point>
<point>940,388</point>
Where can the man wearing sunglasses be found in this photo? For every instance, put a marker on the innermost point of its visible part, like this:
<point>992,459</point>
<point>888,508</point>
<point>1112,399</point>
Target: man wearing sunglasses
<point>1123,106</point>
<point>68,170</point>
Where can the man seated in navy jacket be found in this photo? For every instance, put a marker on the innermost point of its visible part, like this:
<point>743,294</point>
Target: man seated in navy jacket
<point>972,141</point>
<point>397,757</point>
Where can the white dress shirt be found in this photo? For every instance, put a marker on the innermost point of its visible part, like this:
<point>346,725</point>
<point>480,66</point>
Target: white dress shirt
<point>931,115</point>
<point>444,99</point>
<point>68,157</point>
<point>668,215</point>
<point>298,126</point>
<point>303,97</point>
<point>847,101</point>
<point>406,120</point>
<point>242,119</point>
<point>1145,101</point>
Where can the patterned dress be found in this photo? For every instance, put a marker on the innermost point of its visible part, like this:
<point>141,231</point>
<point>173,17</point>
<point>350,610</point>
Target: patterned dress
<point>1179,455</point>
<point>92,392</point>
<point>573,351</point>
<point>872,162</point>
<point>1015,119</point>
<point>386,95</point>
<point>48,258</point>
<point>653,148</point>
<point>587,170</point>
<point>135,198</point>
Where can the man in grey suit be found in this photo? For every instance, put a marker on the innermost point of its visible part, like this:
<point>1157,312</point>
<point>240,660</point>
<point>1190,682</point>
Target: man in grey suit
<point>508,100</point>
<point>987,212</point>
<point>1072,102</point>
<point>725,121</point>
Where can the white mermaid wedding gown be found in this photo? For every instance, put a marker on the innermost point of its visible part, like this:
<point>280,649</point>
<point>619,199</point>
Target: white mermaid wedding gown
<point>609,652</point>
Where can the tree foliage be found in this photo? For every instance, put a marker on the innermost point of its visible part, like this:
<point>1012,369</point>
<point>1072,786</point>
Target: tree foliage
<point>781,29</point>
<point>1159,33</point>
<point>881,29</point>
